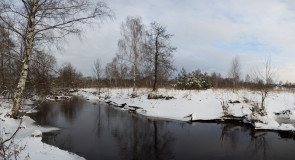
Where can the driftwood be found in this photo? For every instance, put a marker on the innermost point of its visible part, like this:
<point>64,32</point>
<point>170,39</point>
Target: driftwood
<point>154,96</point>
<point>236,101</point>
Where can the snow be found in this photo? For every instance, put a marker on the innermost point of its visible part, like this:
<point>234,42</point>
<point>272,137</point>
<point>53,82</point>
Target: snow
<point>38,150</point>
<point>194,116</point>
<point>33,147</point>
<point>37,133</point>
<point>205,105</point>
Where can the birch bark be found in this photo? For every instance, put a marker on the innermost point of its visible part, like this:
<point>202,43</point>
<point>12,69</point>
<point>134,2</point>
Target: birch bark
<point>29,42</point>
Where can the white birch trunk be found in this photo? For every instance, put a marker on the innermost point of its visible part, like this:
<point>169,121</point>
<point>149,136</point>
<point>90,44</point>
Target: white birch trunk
<point>29,42</point>
<point>134,67</point>
<point>134,74</point>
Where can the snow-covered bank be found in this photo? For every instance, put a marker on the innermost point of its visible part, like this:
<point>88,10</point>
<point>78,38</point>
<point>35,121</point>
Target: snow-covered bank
<point>206,105</point>
<point>29,147</point>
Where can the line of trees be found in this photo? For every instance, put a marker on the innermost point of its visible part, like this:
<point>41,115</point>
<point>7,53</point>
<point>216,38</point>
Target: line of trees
<point>145,55</point>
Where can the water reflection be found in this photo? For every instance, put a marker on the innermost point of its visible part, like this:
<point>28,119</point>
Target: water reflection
<point>98,131</point>
<point>46,115</point>
<point>261,144</point>
<point>137,138</point>
<point>70,108</point>
<point>50,113</point>
<point>258,140</point>
<point>229,133</point>
<point>144,139</point>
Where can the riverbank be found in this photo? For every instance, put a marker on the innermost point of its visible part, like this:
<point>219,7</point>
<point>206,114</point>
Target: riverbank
<point>209,104</point>
<point>204,105</point>
<point>23,145</point>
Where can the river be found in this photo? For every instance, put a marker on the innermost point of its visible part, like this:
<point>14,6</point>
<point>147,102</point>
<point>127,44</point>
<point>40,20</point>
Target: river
<point>100,131</point>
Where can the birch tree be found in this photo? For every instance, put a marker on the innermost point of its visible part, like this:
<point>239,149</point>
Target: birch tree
<point>235,72</point>
<point>130,44</point>
<point>38,22</point>
<point>98,71</point>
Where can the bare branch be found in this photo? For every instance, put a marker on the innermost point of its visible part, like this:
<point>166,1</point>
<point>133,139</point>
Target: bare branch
<point>13,57</point>
<point>10,27</point>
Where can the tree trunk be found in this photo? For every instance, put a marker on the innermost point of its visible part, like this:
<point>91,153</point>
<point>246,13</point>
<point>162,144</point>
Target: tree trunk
<point>9,68</point>
<point>134,72</point>
<point>99,86</point>
<point>10,77</point>
<point>2,70</point>
<point>234,86</point>
<point>20,88</point>
<point>156,67</point>
<point>29,42</point>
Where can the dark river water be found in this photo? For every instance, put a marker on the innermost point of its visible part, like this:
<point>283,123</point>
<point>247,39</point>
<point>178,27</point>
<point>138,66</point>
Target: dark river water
<point>100,131</point>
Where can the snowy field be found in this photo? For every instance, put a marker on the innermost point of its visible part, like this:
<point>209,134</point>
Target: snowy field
<point>205,105</point>
<point>28,146</point>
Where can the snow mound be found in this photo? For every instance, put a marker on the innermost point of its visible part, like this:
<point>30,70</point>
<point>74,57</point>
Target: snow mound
<point>37,133</point>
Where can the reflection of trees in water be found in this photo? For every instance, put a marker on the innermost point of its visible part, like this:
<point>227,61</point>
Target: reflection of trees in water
<point>286,135</point>
<point>46,115</point>
<point>49,111</point>
<point>162,143</point>
<point>258,143</point>
<point>229,133</point>
<point>134,137</point>
<point>70,108</point>
<point>147,140</point>
<point>138,138</point>
<point>98,128</point>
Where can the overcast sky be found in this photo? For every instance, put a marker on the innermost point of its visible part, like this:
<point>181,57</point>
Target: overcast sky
<point>207,33</point>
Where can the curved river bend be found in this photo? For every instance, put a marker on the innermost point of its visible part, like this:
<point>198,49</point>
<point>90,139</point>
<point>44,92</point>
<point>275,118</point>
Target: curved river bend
<point>100,131</point>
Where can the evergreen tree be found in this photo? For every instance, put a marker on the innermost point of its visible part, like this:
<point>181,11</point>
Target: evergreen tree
<point>181,79</point>
<point>193,80</point>
<point>206,81</point>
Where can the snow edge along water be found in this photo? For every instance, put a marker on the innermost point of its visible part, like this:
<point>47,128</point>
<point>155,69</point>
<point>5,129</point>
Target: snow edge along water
<point>204,105</point>
<point>30,147</point>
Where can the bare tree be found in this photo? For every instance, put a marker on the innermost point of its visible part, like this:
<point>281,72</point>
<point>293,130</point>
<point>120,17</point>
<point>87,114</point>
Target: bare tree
<point>123,72</point>
<point>264,81</point>
<point>109,72</point>
<point>159,51</point>
<point>69,77</point>
<point>6,62</point>
<point>112,71</point>
<point>235,72</point>
<point>130,44</point>
<point>39,21</point>
<point>98,71</point>
<point>42,71</point>
<point>215,78</point>
<point>247,80</point>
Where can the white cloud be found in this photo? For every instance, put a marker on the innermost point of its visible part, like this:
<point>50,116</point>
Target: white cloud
<point>265,26</point>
